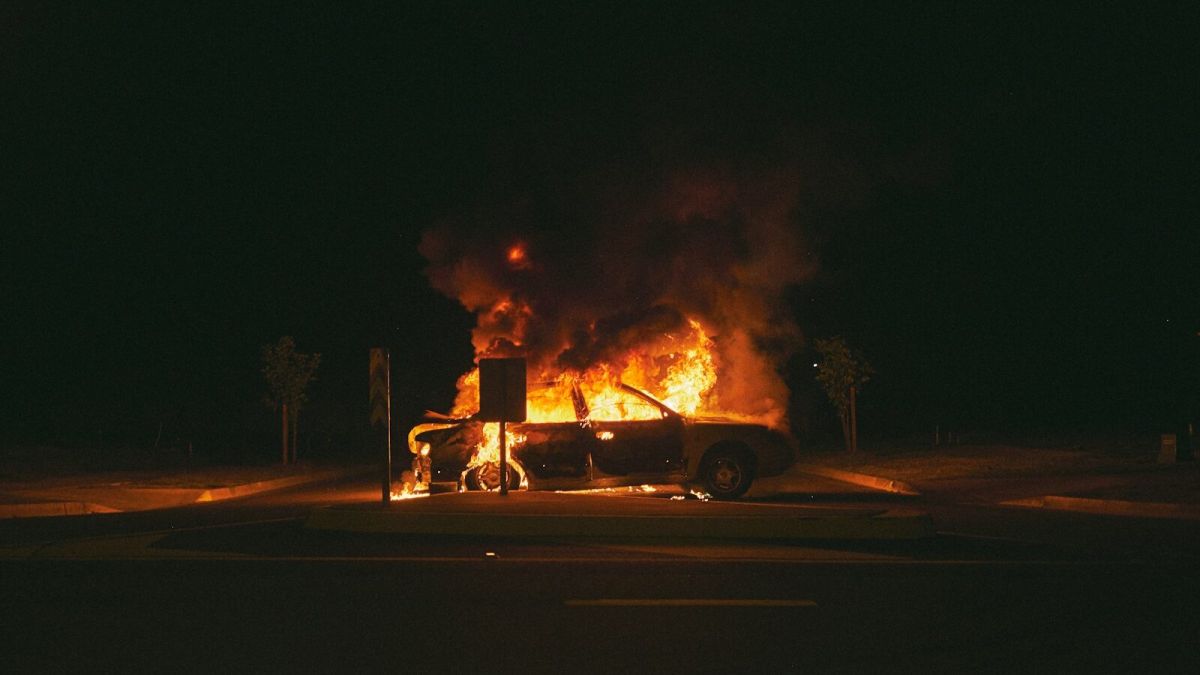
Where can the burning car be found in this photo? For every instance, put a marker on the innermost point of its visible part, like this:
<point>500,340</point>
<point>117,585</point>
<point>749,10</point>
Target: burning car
<point>593,437</point>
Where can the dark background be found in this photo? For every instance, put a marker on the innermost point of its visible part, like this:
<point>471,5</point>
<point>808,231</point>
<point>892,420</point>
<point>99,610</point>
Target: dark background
<point>1006,227</point>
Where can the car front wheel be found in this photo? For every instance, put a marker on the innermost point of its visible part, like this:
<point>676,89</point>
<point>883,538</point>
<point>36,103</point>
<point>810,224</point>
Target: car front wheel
<point>487,477</point>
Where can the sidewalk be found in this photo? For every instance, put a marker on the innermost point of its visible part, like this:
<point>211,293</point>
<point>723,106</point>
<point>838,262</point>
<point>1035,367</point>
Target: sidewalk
<point>1113,481</point>
<point>118,491</point>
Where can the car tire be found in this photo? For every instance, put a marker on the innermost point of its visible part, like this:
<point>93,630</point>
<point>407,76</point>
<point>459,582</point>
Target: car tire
<point>727,472</point>
<point>487,478</point>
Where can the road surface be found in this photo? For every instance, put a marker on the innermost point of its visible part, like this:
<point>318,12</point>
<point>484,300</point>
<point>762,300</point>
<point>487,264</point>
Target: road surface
<point>242,585</point>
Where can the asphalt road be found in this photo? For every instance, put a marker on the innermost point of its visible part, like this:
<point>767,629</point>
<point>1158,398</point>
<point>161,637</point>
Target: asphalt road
<point>242,586</point>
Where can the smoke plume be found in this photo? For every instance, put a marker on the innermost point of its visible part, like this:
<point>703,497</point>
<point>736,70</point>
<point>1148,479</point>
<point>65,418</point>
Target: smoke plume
<point>594,274</point>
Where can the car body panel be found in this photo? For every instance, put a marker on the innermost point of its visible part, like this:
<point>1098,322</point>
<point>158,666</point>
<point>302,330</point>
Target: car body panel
<point>773,451</point>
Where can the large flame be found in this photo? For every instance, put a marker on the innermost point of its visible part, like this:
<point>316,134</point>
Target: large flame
<point>680,370</point>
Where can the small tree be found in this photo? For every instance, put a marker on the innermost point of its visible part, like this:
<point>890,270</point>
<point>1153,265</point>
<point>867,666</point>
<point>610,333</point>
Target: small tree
<point>288,374</point>
<point>842,373</point>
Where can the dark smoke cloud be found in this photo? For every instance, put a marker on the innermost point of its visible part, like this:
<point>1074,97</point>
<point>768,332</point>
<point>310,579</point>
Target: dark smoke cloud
<point>612,336</point>
<point>621,263</point>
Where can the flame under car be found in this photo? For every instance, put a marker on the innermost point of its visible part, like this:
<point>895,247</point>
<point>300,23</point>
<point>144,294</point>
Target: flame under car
<point>626,437</point>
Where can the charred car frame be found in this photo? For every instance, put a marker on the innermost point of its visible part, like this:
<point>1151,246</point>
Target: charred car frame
<point>722,457</point>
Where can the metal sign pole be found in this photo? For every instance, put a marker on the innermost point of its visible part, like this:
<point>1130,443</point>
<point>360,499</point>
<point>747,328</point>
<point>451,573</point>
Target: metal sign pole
<point>387,447</point>
<point>381,412</point>
<point>503,460</point>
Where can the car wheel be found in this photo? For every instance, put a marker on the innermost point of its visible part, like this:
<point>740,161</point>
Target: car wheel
<point>487,477</point>
<point>727,473</point>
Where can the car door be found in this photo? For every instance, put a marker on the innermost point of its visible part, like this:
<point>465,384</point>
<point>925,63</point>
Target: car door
<point>559,449</point>
<point>555,450</point>
<point>635,437</point>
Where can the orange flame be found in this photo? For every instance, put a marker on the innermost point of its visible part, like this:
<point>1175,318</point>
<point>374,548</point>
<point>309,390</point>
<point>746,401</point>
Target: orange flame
<point>683,378</point>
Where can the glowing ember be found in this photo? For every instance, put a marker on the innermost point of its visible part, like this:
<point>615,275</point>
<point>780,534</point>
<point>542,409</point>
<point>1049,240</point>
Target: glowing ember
<point>397,496</point>
<point>613,490</point>
<point>517,258</point>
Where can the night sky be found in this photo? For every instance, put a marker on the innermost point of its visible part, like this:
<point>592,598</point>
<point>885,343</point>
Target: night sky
<point>1000,204</point>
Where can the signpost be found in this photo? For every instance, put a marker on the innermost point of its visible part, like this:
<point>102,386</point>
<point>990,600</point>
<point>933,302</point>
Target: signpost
<point>502,399</point>
<point>381,411</point>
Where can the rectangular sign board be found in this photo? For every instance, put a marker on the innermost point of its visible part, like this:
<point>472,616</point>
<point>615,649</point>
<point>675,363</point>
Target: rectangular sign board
<point>381,388</point>
<point>502,390</point>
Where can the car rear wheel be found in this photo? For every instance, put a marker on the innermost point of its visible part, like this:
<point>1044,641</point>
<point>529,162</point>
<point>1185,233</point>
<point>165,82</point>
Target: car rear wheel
<point>727,473</point>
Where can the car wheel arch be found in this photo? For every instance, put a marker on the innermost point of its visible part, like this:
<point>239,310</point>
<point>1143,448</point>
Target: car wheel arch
<point>471,479</point>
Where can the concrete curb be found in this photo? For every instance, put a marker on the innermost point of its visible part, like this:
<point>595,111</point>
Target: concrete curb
<point>1110,507</point>
<point>247,489</point>
<point>40,509</point>
<point>157,498</point>
<point>874,482</point>
<point>897,524</point>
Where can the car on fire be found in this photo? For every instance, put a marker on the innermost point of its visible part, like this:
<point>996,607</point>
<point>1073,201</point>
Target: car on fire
<point>628,438</point>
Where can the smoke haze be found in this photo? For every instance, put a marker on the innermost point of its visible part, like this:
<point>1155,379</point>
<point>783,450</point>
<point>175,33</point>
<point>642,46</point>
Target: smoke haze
<point>625,272</point>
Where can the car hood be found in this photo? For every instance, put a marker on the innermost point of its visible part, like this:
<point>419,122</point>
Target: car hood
<point>725,419</point>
